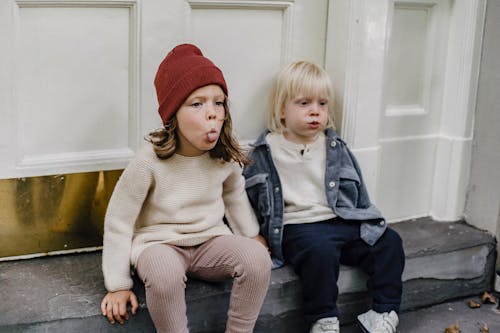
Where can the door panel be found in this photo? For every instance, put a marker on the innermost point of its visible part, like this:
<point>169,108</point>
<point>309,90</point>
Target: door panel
<point>413,106</point>
<point>425,127</point>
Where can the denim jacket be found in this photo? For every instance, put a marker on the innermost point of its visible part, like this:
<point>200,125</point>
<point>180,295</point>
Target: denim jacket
<point>344,187</point>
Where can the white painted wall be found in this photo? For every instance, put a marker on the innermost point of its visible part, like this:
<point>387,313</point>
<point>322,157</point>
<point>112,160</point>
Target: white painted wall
<point>483,196</point>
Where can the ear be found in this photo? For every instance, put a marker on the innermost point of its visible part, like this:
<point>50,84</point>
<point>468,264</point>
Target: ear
<point>282,113</point>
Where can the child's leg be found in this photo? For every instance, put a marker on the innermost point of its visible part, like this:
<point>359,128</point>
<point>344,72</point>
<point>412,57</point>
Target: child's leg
<point>245,260</point>
<point>162,269</point>
<point>313,249</point>
<point>384,264</point>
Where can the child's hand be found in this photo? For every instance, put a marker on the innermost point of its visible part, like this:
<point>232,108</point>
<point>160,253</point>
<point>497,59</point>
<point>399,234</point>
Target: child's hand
<point>259,238</point>
<point>114,305</point>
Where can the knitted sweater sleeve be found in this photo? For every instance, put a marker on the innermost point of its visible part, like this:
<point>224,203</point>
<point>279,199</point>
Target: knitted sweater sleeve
<point>123,209</point>
<point>238,211</point>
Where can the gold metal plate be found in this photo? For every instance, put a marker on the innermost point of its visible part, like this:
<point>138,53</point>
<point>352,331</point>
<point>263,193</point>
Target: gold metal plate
<point>48,214</point>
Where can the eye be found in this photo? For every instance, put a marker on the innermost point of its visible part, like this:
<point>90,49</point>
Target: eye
<point>219,103</point>
<point>196,104</point>
<point>323,103</point>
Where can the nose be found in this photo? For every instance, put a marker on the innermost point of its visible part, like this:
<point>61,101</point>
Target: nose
<point>211,113</point>
<point>314,110</point>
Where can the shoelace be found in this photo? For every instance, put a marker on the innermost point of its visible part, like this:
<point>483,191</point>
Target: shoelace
<point>385,324</point>
<point>329,325</point>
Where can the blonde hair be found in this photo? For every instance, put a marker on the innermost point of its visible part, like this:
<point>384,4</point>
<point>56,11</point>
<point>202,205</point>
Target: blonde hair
<point>165,141</point>
<point>298,78</point>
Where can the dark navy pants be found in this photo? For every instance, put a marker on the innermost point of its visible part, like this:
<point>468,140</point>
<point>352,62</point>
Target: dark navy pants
<point>316,250</point>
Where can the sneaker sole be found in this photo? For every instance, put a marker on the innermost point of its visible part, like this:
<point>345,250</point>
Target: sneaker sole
<point>362,327</point>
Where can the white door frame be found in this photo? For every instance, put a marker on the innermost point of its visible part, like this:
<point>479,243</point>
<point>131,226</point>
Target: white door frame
<point>357,42</point>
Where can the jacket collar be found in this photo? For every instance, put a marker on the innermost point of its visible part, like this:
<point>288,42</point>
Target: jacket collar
<point>261,140</point>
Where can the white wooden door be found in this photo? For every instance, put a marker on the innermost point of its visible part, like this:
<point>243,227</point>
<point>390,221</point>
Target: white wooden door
<point>76,78</point>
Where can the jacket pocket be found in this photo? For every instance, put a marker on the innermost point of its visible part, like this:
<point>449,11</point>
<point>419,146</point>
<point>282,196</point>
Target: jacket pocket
<point>257,188</point>
<point>348,193</point>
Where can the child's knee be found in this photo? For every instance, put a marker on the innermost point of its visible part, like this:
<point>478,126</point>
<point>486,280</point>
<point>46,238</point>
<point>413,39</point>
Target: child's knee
<point>393,239</point>
<point>161,272</point>
<point>319,254</point>
<point>263,258</point>
<point>256,262</point>
<point>165,282</point>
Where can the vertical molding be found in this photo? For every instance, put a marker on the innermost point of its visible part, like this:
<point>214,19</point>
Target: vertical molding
<point>7,83</point>
<point>466,28</point>
<point>453,157</point>
<point>335,57</point>
<point>135,120</point>
<point>451,174</point>
<point>364,104</point>
<point>354,52</point>
<point>361,89</point>
<point>286,43</point>
<point>370,78</point>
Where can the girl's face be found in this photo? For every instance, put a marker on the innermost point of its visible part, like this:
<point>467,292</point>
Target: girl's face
<point>305,117</point>
<point>200,120</point>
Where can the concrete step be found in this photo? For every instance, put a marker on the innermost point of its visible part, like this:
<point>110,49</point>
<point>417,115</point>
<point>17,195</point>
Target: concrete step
<point>436,318</point>
<point>62,294</point>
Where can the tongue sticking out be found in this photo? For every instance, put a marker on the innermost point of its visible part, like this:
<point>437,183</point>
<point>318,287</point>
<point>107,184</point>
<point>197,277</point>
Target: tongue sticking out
<point>212,136</point>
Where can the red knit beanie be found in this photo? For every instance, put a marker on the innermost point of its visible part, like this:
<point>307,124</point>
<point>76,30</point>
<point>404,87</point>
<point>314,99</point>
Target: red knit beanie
<point>183,70</point>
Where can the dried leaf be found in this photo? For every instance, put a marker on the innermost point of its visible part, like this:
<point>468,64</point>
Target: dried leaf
<point>488,298</point>
<point>485,329</point>
<point>452,329</point>
<point>474,305</point>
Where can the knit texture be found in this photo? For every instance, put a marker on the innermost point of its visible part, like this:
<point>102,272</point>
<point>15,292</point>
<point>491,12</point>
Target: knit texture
<point>183,70</point>
<point>165,268</point>
<point>179,201</point>
<point>302,173</point>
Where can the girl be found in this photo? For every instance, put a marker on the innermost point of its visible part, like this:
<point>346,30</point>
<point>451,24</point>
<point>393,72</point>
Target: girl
<point>165,216</point>
<point>310,199</point>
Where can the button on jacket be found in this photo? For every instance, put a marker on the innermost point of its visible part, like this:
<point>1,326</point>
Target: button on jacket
<point>344,188</point>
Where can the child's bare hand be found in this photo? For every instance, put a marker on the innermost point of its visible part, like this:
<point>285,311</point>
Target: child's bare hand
<point>114,305</point>
<point>262,240</point>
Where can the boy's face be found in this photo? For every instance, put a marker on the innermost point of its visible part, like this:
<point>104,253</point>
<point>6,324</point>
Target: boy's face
<point>305,117</point>
<point>199,120</point>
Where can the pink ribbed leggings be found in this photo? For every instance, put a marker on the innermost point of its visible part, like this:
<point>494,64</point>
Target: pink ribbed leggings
<point>164,269</point>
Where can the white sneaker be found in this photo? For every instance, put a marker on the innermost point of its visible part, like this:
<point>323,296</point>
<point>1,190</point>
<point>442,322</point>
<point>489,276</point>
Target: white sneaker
<point>326,325</point>
<point>374,322</point>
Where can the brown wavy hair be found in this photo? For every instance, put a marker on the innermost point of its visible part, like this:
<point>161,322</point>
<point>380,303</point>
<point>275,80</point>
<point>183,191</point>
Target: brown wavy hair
<point>165,141</point>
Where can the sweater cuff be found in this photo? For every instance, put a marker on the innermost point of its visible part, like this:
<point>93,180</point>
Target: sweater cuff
<point>118,284</point>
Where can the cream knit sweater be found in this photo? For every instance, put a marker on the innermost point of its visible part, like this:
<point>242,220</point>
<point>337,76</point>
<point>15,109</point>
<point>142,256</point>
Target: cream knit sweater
<point>301,169</point>
<point>179,201</point>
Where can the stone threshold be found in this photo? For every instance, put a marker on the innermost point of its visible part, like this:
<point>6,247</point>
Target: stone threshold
<point>444,261</point>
